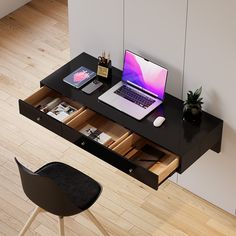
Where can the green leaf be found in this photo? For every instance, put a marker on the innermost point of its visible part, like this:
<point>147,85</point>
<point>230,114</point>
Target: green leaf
<point>190,93</point>
<point>194,99</point>
<point>198,92</point>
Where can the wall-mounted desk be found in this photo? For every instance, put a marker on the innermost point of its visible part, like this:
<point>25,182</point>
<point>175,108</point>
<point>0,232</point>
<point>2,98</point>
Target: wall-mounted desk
<point>182,142</point>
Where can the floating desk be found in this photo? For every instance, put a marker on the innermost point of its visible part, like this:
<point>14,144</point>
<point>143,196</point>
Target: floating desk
<point>183,142</point>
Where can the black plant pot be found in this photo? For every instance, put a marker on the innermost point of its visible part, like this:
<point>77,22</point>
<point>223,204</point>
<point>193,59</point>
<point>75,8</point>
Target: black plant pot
<point>192,114</point>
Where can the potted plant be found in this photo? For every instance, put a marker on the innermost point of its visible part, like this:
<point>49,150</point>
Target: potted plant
<point>192,110</point>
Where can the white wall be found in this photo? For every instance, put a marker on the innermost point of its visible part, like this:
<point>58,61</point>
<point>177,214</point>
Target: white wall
<point>156,30</point>
<point>8,6</point>
<point>209,61</point>
<point>99,25</point>
<point>95,26</point>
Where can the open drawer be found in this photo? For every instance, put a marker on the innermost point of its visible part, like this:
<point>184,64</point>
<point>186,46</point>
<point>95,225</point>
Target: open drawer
<point>49,109</point>
<point>148,155</point>
<point>95,127</point>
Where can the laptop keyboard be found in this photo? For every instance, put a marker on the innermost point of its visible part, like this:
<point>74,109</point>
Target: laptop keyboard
<point>135,97</point>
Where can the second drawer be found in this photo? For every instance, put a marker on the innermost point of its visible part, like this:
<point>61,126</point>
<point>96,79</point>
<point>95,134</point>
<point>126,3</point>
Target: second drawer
<point>95,127</point>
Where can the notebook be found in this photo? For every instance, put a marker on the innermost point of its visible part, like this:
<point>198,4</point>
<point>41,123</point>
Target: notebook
<point>79,77</point>
<point>142,87</point>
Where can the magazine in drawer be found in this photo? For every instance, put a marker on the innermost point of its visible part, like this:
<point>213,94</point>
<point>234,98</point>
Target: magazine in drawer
<point>49,109</point>
<point>95,127</point>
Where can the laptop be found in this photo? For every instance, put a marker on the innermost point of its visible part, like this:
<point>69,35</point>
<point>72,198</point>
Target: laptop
<point>142,87</point>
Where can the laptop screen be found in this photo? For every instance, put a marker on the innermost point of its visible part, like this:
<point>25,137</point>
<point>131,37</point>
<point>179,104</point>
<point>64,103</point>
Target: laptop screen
<point>144,74</point>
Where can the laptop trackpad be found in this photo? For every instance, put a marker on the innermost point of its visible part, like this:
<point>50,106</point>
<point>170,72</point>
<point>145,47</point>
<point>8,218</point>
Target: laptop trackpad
<point>125,105</point>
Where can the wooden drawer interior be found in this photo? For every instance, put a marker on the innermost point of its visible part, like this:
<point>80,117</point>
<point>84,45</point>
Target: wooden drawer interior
<point>46,93</point>
<point>131,146</point>
<point>88,118</point>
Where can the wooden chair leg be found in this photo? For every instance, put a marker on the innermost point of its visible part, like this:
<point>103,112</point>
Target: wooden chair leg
<point>30,220</point>
<point>61,226</point>
<point>96,222</point>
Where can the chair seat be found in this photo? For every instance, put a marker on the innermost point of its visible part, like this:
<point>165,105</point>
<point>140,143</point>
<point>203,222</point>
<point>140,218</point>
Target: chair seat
<point>80,188</point>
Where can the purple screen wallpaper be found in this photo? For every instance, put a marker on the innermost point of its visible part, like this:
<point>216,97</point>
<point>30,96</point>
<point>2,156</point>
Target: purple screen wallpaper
<point>145,74</point>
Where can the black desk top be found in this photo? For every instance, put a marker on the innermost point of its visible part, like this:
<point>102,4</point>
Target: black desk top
<point>176,135</point>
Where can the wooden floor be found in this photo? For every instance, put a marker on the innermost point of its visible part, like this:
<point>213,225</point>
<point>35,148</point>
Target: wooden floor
<point>33,43</point>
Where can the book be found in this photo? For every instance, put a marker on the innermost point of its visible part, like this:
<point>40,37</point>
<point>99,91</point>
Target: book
<point>96,135</point>
<point>79,77</point>
<point>48,104</point>
<point>61,111</point>
<point>147,156</point>
<point>43,103</point>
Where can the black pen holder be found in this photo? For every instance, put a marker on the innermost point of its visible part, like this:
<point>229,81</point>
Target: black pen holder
<point>104,70</point>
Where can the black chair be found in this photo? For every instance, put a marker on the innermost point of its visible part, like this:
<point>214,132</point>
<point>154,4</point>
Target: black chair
<point>61,190</point>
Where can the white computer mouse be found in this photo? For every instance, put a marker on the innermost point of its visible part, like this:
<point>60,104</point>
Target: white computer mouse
<point>159,121</point>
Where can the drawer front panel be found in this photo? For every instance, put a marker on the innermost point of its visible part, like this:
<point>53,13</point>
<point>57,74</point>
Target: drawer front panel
<point>69,133</point>
<point>165,165</point>
<point>110,157</point>
<point>40,117</point>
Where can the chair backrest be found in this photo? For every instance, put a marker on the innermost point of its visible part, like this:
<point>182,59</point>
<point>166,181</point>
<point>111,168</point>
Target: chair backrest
<point>45,193</point>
